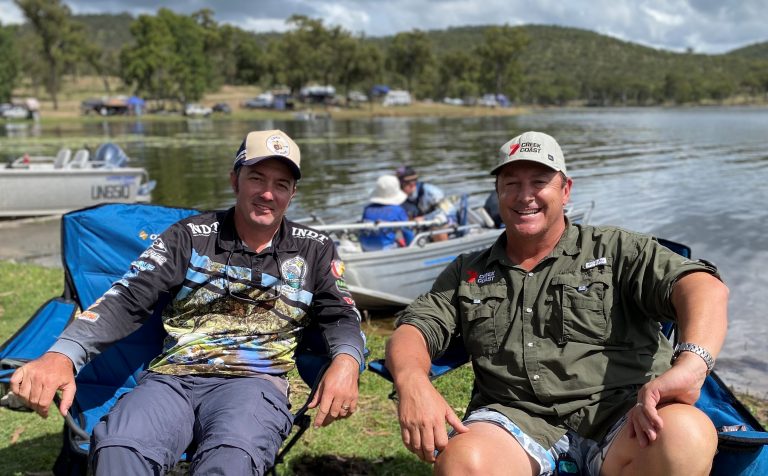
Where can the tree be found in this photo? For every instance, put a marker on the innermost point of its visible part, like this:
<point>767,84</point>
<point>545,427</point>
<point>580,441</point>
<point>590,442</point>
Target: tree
<point>9,64</point>
<point>458,73</point>
<point>499,53</point>
<point>303,53</point>
<point>168,60</point>
<point>61,39</point>
<point>409,55</point>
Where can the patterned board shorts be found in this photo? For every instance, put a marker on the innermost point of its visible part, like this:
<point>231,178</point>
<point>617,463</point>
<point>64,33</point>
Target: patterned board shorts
<point>587,454</point>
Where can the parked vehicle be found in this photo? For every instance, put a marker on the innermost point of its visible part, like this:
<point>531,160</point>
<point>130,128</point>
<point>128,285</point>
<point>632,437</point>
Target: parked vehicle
<point>197,110</point>
<point>222,107</point>
<point>397,97</point>
<point>263,100</point>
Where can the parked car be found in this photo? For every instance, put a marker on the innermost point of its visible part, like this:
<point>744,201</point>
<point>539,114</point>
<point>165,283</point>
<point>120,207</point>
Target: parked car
<point>397,97</point>
<point>357,96</point>
<point>16,111</point>
<point>105,107</point>
<point>263,100</point>
<point>222,107</point>
<point>197,110</point>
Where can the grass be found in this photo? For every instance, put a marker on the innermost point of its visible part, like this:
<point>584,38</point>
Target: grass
<point>367,443</point>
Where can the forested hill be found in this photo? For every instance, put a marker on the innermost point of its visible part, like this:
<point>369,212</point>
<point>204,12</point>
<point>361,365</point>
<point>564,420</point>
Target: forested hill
<point>535,64</point>
<point>758,50</point>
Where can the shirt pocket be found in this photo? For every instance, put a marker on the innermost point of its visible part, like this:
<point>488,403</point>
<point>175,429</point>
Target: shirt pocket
<point>479,307</point>
<point>579,308</point>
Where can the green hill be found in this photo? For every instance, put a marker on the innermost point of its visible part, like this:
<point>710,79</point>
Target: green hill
<point>562,64</point>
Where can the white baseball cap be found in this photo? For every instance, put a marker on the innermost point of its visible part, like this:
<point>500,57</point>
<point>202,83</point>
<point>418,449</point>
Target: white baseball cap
<point>534,147</point>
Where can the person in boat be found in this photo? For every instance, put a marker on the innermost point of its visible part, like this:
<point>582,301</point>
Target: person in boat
<point>385,205</point>
<point>427,202</point>
<point>422,197</point>
<point>562,325</point>
<point>243,283</point>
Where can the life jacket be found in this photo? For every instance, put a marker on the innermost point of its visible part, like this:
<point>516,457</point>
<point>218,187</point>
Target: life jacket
<point>411,205</point>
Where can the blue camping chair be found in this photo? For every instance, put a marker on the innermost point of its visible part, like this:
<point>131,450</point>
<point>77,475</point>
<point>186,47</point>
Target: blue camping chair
<point>98,245</point>
<point>742,440</point>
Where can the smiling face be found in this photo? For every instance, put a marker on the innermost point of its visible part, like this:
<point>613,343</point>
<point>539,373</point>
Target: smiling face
<point>532,198</point>
<point>263,192</point>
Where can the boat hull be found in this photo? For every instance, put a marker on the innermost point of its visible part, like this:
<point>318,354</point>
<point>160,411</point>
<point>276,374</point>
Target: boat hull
<point>394,277</point>
<point>33,192</point>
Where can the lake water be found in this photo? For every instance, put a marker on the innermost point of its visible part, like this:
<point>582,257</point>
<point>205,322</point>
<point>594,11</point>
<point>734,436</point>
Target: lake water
<point>698,175</point>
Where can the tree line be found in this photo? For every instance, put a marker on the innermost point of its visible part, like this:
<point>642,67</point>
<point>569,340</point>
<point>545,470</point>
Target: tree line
<point>173,57</point>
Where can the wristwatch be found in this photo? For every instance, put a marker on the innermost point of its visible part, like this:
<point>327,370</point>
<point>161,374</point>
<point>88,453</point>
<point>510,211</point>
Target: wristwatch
<point>696,349</point>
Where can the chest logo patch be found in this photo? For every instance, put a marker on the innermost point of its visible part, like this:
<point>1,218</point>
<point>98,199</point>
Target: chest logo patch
<point>294,271</point>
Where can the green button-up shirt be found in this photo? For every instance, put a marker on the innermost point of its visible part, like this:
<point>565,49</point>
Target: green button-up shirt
<point>568,344</point>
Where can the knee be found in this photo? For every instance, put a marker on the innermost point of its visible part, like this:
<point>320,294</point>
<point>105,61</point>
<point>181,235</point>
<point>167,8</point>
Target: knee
<point>686,423</point>
<point>459,460</point>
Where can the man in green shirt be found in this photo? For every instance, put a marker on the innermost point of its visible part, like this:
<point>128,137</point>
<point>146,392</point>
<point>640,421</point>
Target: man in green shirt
<point>562,324</point>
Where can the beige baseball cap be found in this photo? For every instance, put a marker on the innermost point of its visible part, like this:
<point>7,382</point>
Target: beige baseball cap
<point>273,144</point>
<point>534,147</point>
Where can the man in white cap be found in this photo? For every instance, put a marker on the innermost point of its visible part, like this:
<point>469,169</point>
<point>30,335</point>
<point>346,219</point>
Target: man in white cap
<point>561,323</point>
<point>243,283</point>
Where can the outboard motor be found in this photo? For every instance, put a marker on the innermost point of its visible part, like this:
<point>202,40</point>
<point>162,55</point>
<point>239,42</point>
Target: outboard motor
<point>110,155</point>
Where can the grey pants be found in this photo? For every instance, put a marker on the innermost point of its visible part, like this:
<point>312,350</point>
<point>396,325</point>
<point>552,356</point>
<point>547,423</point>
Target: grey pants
<point>238,425</point>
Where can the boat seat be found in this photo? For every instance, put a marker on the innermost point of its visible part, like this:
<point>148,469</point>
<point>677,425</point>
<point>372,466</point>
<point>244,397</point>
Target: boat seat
<point>62,158</point>
<point>80,160</point>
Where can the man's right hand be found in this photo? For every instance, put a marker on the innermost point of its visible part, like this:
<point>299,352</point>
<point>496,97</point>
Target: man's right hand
<point>422,413</point>
<point>36,382</point>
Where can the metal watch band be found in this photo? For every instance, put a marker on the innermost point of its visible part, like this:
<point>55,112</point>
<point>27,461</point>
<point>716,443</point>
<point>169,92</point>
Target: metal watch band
<point>696,349</point>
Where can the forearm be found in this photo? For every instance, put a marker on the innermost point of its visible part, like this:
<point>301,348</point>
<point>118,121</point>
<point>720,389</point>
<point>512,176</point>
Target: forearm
<point>407,356</point>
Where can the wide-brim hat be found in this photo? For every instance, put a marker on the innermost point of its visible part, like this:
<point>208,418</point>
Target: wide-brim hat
<point>273,144</point>
<point>387,191</point>
<point>532,146</point>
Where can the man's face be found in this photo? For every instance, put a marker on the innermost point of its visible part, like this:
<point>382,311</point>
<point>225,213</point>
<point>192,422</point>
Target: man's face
<point>408,185</point>
<point>532,198</point>
<point>263,192</point>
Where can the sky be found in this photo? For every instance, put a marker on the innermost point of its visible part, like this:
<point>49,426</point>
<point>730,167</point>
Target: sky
<point>704,26</point>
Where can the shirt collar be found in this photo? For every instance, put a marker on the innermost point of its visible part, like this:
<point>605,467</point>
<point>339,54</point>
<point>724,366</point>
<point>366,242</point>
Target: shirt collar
<point>230,240</point>
<point>567,245</point>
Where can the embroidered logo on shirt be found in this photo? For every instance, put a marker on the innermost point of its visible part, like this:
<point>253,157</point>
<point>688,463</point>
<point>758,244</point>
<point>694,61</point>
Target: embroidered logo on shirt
<point>311,234</point>
<point>159,245</point>
<point>294,270</point>
<point>203,230</point>
<point>88,316</point>
<point>595,262</point>
<point>337,268</point>
<point>472,276</point>
<point>486,277</point>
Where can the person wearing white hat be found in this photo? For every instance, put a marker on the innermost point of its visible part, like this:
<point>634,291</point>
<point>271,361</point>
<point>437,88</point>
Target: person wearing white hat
<point>561,324</point>
<point>385,206</point>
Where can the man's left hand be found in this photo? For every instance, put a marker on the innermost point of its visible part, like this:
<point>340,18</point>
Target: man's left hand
<point>336,395</point>
<point>680,384</point>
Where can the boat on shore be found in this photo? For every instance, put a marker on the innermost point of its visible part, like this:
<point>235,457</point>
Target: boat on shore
<point>53,185</point>
<point>395,277</point>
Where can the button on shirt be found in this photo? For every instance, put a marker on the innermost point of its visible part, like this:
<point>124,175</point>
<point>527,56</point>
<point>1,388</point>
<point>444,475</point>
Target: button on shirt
<point>578,333</point>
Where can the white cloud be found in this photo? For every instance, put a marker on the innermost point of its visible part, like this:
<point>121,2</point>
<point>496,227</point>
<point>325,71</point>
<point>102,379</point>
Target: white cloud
<point>10,13</point>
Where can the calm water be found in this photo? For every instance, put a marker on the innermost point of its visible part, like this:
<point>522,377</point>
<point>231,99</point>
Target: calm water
<point>691,175</point>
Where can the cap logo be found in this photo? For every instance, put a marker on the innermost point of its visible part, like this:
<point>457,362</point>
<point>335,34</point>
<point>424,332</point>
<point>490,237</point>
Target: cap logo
<point>533,147</point>
<point>278,146</point>
<point>513,149</point>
